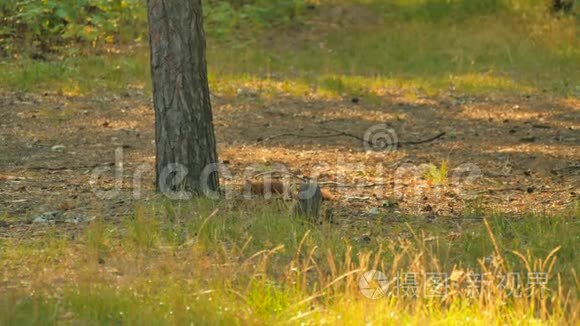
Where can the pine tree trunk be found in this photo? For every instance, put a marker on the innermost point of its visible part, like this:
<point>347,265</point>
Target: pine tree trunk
<point>184,132</point>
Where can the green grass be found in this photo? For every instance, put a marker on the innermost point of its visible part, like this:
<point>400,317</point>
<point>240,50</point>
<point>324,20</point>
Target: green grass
<point>484,54</point>
<point>246,262</point>
<point>499,51</point>
<point>77,75</point>
<point>250,262</point>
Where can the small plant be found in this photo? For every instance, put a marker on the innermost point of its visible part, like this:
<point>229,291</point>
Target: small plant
<point>436,176</point>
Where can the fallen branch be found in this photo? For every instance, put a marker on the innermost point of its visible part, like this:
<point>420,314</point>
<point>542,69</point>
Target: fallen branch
<point>398,143</point>
<point>344,133</point>
<point>338,133</point>
<point>428,140</point>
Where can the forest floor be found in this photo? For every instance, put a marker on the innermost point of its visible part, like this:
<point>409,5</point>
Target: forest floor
<point>510,148</point>
<point>520,152</point>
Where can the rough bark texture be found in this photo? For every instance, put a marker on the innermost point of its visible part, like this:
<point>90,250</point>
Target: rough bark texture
<point>183,116</point>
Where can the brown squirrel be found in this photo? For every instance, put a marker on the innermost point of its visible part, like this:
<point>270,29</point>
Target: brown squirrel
<point>278,187</point>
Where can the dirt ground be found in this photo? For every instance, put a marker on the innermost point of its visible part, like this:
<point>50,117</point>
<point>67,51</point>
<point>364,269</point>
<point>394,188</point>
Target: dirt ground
<point>526,148</point>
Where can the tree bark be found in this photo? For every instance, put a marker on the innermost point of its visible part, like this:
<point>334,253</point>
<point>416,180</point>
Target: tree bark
<point>184,131</point>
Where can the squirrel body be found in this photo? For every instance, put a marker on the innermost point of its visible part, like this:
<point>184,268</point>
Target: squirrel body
<point>278,187</point>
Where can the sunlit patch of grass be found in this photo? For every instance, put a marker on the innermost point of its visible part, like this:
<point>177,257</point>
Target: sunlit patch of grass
<point>49,247</point>
<point>505,52</point>
<point>23,310</point>
<point>143,229</point>
<point>250,262</point>
<point>268,298</point>
<point>490,53</point>
<point>98,238</point>
<point>474,83</point>
<point>371,89</point>
<point>264,87</point>
<point>481,83</point>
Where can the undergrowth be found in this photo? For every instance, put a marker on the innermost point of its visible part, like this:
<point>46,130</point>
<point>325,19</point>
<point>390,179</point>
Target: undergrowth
<point>498,52</point>
<point>246,262</point>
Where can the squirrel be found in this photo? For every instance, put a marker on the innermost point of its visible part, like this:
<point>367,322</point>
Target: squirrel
<point>278,187</point>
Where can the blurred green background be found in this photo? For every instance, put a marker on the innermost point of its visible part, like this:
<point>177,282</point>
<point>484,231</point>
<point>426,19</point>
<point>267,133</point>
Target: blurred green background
<point>338,45</point>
